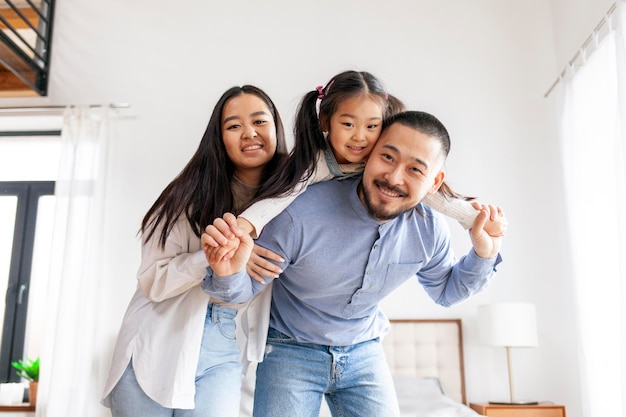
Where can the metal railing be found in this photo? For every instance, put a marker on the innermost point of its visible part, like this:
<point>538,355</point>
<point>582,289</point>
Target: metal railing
<point>25,40</point>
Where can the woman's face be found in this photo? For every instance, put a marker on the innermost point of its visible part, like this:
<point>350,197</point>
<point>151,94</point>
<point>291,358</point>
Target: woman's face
<point>249,135</point>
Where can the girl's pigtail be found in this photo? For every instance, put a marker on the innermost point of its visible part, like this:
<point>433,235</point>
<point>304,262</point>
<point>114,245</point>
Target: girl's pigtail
<point>394,106</point>
<point>309,137</point>
<point>449,193</point>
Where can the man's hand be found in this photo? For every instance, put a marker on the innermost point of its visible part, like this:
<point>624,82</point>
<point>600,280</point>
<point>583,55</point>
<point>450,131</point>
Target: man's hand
<point>226,247</point>
<point>488,229</point>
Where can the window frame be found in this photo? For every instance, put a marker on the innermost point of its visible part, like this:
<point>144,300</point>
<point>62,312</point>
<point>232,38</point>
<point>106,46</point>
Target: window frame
<point>16,304</point>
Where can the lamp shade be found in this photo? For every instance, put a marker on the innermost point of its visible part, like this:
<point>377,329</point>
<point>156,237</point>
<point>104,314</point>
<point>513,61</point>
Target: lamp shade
<point>507,324</point>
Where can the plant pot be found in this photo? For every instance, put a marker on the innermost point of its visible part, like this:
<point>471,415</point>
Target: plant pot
<point>32,392</point>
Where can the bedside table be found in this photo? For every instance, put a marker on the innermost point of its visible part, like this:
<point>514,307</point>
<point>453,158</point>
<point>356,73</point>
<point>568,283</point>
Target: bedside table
<point>503,410</point>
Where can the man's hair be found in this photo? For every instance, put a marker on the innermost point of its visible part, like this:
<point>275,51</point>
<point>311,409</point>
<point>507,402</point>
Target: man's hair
<point>425,123</point>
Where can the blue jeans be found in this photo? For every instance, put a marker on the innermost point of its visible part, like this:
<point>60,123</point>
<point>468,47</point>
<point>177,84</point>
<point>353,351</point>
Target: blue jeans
<point>293,378</point>
<point>218,376</point>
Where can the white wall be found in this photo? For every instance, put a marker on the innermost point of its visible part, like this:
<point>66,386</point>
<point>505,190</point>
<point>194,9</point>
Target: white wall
<point>481,66</point>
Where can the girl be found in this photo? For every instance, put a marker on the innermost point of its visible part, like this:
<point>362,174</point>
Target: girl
<point>176,353</point>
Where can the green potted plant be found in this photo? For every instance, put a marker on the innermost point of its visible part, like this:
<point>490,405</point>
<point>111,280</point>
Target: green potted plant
<point>29,370</point>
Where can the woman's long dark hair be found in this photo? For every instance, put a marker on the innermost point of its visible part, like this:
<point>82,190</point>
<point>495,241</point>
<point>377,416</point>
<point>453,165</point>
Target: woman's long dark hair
<point>309,137</point>
<point>202,190</point>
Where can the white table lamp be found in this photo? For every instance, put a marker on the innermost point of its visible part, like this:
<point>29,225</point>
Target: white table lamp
<point>509,325</point>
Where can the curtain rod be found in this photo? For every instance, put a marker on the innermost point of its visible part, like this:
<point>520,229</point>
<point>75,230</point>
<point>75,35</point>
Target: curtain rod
<point>584,45</point>
<point>61,107</point>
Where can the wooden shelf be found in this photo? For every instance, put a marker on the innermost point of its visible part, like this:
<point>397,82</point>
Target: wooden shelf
<point>501,410</point>
<point>17,407</point>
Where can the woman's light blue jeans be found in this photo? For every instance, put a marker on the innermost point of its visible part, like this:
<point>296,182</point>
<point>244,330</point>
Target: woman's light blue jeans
<point>218,376</point>
<point>293,378</point>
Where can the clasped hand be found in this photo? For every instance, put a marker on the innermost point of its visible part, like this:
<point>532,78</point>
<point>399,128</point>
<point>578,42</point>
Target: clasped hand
<point>226,247</point>
<point>488,230</point>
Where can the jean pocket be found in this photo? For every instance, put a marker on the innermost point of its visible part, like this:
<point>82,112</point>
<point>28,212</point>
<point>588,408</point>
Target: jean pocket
<point>227,327</point>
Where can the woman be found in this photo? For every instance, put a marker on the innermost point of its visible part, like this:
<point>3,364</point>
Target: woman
<point>176,353</point>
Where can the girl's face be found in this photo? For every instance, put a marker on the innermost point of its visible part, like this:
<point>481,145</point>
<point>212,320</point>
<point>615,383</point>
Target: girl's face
<point>354,128</point>
<point>249,135</point>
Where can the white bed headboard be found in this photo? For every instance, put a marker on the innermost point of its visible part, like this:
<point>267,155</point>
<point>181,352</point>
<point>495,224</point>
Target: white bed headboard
<point>428,348</point>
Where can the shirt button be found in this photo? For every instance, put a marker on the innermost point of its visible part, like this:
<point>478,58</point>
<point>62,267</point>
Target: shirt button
<point>375,246</point>
<point>367,273</point>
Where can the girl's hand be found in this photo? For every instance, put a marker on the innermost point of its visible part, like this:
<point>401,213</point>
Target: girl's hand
<point>219,232</point>
<point>488,230</point>
<point>259,265</point>
<point>496,224</point>
<point>246,226</point>
<point>226,247</point>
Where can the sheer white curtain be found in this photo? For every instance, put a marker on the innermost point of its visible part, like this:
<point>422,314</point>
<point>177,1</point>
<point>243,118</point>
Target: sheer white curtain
<point>71,378</point>
<point>593,143</point>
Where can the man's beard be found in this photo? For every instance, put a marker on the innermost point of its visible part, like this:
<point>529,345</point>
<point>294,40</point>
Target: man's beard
<point>379,213</point>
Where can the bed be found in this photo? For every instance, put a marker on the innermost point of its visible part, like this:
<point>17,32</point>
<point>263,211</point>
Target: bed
<point>426,360</point>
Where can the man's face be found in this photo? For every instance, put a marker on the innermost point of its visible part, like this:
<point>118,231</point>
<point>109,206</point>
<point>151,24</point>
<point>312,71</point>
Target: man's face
<point>404,166</point>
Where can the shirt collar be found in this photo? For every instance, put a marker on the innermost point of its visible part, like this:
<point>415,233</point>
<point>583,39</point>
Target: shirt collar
<point>356,203</point>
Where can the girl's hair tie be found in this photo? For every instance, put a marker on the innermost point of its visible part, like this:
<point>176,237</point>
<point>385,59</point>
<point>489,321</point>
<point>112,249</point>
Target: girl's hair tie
<point>320,92</point>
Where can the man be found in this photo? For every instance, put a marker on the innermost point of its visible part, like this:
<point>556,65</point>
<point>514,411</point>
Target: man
<point>346,245</point>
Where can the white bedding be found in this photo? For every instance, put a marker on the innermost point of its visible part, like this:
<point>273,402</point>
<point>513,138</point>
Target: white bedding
<point>423,397</point>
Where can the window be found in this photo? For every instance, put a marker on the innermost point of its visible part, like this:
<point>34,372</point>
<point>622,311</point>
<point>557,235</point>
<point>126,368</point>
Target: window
<point>24,208</point>
<point>28,168</point>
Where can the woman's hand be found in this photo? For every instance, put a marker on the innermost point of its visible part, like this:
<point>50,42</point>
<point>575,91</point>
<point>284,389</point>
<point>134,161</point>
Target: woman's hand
<point>259,265</point>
